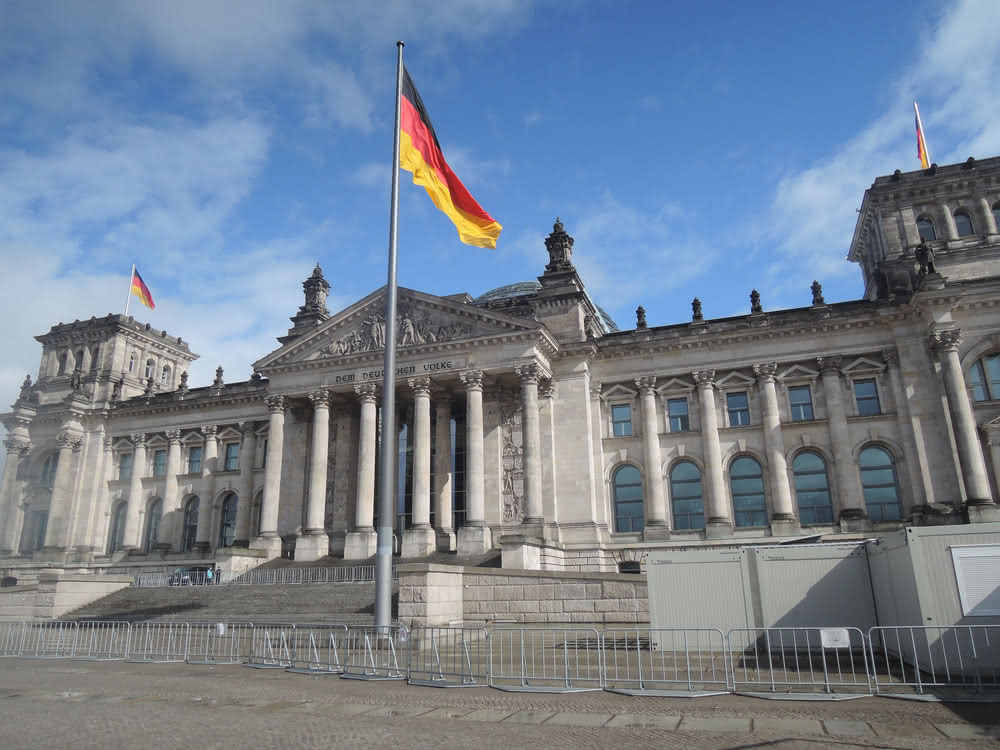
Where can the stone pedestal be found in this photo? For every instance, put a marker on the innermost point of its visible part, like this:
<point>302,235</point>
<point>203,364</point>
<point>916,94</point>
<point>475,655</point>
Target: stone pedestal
<point>982,513</point>
<point>268,544</point>
<point>519,552</point>
<point>446,540</point>
<point>474,540</point>
<point>360,545</point>
<point>852,521</point>
<point>312,546</point>
<point>656,532</point>
<point>785,526</point>
<point>420,541</point>
<point>718,528</point>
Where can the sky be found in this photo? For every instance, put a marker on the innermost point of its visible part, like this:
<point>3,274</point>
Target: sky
<point>691,149</point>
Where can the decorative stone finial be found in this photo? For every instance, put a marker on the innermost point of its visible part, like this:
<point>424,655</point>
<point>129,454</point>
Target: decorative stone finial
<point>696,310</point>
<point>218,382</point>
<point>640,317</point>
<point>817,290</point>
<point>755,302</point>
<point>560,247</point>
<point>316,289</point>
<point>183,387</point>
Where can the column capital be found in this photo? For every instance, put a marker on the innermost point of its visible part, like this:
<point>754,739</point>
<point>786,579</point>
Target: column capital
<point>109,443</point>
<point>320,399</point>
<point>765,371</point>
<point>646,385</point>
<point>528,373</point>
<point>704,378</point>
<point>947,340</point>
<point>275,403</point>
<point>473,380</point>
<point>546,388</point>
<point>173,436</point>
<point>890,356</point>
<point>421,385</point>
<point>69,440</point>
<point>249,429</point>
<point>139,439</point>
<point>366,392</point>
<point>595,390</point>
<point>209,430</point>
<point>17,445</point>
<point>829,364</point>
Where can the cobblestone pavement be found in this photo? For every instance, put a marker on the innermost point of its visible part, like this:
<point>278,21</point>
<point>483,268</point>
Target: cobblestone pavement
<point>81,705</point>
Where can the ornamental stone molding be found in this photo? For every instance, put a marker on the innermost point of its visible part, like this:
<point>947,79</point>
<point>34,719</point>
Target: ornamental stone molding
<point>17,445</point>
<point>249,429</point>
<point>947,340</point>
<point>413,327</point>
<point>829,364</point>
<point>645,385</point>
<point>890,356</point>
<point>765,371</point>
<point>421,386</point>
<point>595,390</point>
<point>173,436</point>
<point>69,440</point>
<point>546,388</point>
<point>275,403</point>
<point>109,444</point>
<point>138,438</point>
<point>704,378</point>
<point>320,399</point>
<point>473,380</point>
<point>209,430</point>
<point>366,392</point>
<point>528,373</point>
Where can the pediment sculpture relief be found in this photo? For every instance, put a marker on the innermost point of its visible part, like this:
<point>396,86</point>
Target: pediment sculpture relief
<point>412,329</point>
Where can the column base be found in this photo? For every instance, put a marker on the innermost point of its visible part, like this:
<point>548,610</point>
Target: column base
<point>785,526</point>
<point>474,540</point>
<point>312,545</point>
<point>270,544</point>
<point>337,541</point>
<point>854,520</point>
<point>532,528</point>
<point>519,552</point>
<point>718,528</point>
<point>982,513</point>
<point>655,532</point>
<point>446,541</point>
<point>360,544</point>
<point>419,541</point>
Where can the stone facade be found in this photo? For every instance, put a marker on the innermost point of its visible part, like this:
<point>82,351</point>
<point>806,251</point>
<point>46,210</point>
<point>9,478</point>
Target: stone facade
<point>529,423</point>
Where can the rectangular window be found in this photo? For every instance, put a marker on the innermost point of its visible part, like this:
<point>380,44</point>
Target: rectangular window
<point>677,413</point>
<point>232,457</point>
<point>800,400</point>
<point>621,420</point>
<point>977,571</point>
<point>159,463</point>
<point>125,466</point>
<point>866,396</point>
<point>738,406</point>
<point>194,459</point>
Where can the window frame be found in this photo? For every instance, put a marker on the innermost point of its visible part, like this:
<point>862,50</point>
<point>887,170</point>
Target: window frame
<point>684,423</point>
<point>984,380</point>
<point>612,405</point>
<point>675,496</point>
<point>926,220</point>
<point>231,462</point>
<point>617,503</point>
<point>796,474</point>
<point>152,535</point>
<point>116,533</point>
<point>165,372</point>
<point>191,468</point>
<point>876,397</point>
<point>149,369</point>
<point>967,217</point>
<point>733,494</point>
<point>159,463</point>
<point>792,405</point>
<point>125,465</point>
<point>47,473</point>
<point>895,482</point>
<point>745,393</point>
<point>227,519</point>
<point>189,523</point>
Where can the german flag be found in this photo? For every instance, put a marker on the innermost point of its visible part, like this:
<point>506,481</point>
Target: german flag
<point>420,153</point>
<point>140,290</point>
<point>925,159</point>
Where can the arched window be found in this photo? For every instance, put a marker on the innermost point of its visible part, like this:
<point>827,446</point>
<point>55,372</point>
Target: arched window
<point>627,486</point>
<point>925,228</point>
<point>963,224</point>
<point>165,375</point>
<point>190,533</point>
<point>686,497</point>
<point>812,488</point>
<point>95,358</point>
<point>64,363</point>
<point>78,359</point>
<point>153,517</point>
<point>985,378</point>
<point>746,482</point>
<point>117,536</point>
<point>879,484</point>
<point>227,528</point>
<point>49,466</point>
<point>149,369</point>
<point>131,362</point>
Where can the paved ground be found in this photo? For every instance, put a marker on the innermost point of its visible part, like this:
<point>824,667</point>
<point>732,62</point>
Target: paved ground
<point>81,705</point>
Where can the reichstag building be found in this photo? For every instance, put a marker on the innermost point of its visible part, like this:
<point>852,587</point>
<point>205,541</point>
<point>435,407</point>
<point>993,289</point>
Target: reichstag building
<point>530,423</point>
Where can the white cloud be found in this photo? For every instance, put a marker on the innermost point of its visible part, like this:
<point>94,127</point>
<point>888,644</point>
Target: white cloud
<point>532,117</point>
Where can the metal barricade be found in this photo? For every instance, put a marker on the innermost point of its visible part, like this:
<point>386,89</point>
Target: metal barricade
<point>665,662</point>
<point>546,660</point>
<point>372,653</point>
<point>220,642</point>
<point>271,647</point>
<point>799,663</point>
<point>11,637</point>
<point>145,580</point>
<point>159,642</point>
<point>316,649</point>
<point>909,661</point>
<point>448,657</point>
<point>102,640</point>
<point>55,639</point>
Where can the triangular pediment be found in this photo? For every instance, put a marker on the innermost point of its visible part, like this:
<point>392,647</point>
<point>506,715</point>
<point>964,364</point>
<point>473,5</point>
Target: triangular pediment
<point>798,372</point>
<point>863,364</point>
<point>734,380</point>
<point>423,321</point>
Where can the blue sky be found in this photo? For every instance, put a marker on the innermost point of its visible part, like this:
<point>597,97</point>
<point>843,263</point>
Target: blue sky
<point>692,149</point>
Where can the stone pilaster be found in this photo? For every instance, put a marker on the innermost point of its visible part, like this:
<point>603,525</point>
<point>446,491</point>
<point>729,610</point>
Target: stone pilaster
<point>719,521</point>
<point>209,466</point>
<point>10,494</point>
<point>360,543</point>
<point>529,375</point>
<point>917,465</point>
<point>443,519</point>
<point>248,452</point>
<point>169,531</point>
<point>656,526</point>
<point>783,519</point>
<point>474,537</point>
<point>133,513</point>
<point>268,539</point>
<point>850,500</point>
<point>419,540</point>
<point>60,505</point>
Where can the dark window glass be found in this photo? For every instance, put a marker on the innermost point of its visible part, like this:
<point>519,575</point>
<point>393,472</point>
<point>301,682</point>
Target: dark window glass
<point>925,227</point>
<point>117,536</point>
<point>627,483</point>
<point>621,420</point>
<point>747,486</point>
<point>996,214</point>
<point>801,403</point>
<point>458,469</point>
<point>149,369</point>
<point>49,467</point>
<point>194,459</point>
<point>159,463</point>
<point>227,525</point>
<point>153,517</point>
<point>866,396</point>
<point>812,488</point>
<point>963,224</point>
<point>232,462</point>
<point>125,466</point>
<point>677,412</point>
<point>686,496</point>
<point>190,533</point>
<point>879,484</point>
<point>985,378</point>
<point>739,409</point>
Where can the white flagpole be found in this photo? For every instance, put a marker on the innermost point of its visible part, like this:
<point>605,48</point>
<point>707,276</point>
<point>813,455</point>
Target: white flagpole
<point>128,297</point>
<point>388,447</point>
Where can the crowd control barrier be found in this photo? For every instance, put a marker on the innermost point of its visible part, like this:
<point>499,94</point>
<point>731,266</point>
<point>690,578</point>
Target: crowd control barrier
<point>159,642</point>
<point>448,657</point>
<point>219,642</point>
<point>316,649</point>
<point>271,647</point>
<point>666,662</point>
<point>48,640</point>
<point>545,660</point>
<point>373,653</point>
<point>102,640</point>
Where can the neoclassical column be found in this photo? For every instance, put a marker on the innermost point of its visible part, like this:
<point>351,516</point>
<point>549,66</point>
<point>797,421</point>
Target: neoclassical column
<point>719,521</point>
<point>134,509</point>
<point>10,497</point>
<point>360,542</point>
<point>474,536</point>
<point>656,496</point>
<point>57,530</point>
<point>783,519</point>
<point>268,538</point>
<point>171,500</point>
<point>315,542</point>
<point>206,509</point>
<point>532,441</point>
<point>917,465</point>
<point>853,514</point>
<point>442,473</point>
<point>419,540</point>
<point>970,452</point>
<point>248,452</point>
<point>600,504</point>
<point>987,222</point>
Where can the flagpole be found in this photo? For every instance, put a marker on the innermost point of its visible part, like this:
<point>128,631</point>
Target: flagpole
<point>128,297</point>
<point>388,447</point>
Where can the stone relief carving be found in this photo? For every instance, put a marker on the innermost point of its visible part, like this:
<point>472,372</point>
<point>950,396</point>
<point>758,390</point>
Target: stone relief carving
<point>412,328</point>
<point>512,457</point>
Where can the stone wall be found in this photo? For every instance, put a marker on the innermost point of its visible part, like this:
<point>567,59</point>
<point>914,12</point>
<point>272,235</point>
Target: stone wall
<point>437,595</point>
<point>57,593</point>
